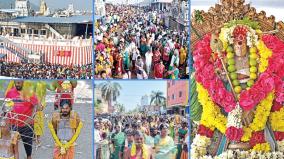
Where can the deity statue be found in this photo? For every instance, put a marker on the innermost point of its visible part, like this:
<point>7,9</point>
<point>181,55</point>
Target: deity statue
<point>237,91</point>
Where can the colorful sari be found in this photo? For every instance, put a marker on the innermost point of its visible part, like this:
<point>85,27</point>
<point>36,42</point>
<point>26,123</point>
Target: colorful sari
<point>105,149</point>
<point>181,133</point>
<point>165,148</point>
<point>172,130</point>
<point>150,141</point>
<point>119,140</point>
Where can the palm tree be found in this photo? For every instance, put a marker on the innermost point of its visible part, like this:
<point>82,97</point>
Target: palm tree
<point>98,106</point>
<point>158,98</point>
<point>110,92</point>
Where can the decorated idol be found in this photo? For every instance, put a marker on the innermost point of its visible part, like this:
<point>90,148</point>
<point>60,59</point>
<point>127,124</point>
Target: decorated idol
<point>237,87</point>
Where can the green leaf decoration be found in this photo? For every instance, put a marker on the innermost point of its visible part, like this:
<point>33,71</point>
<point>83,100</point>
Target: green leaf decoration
<point>198,17</point>
<point>246,21</point>
<point>195,106</point>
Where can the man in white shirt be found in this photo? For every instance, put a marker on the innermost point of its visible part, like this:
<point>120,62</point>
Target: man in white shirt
<point>175,59</point>
<point>97,136</point>
<point>148,57</point>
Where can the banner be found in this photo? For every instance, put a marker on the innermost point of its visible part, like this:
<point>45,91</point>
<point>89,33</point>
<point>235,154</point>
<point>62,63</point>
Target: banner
<point>63,53</point>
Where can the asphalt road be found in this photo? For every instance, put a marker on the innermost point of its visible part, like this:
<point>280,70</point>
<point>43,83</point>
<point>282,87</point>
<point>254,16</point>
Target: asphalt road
<point>83,148</point>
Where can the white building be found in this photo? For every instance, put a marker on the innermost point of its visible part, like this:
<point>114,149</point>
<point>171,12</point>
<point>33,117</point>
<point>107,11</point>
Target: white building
<point>161,4</point>
<point>144,103</point>
<point>100,8</point>
<point>23,7</point>
<point>179,15</point>
<point>103,105</point>
<point>144,100</point>
<point>70,8</point>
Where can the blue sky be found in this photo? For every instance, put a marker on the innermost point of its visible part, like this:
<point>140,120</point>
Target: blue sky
<point>133,90</point>
<point>78,4</point>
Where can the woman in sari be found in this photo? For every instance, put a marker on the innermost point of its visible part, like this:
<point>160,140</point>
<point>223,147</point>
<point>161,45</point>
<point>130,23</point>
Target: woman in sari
<point>105,149</point>
<point>185,153</point>
<point>118,139</point>
<point>181,138</point>
<point>164,144</point>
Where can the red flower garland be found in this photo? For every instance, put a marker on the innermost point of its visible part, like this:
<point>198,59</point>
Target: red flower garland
<point>234,134</point>
<point>269,80</point>
<point>205,75</point>
<point>204,131</point>
<point>257,138</point>
<point>279,136</point>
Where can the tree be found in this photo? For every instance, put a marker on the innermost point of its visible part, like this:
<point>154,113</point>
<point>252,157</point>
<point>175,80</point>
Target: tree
<point>120,108</point>
<point>110,92</point>
<point>158,98</point>
<point>98,106</point>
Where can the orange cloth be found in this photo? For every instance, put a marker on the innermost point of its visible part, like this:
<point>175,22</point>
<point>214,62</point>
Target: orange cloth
<point>70,153</point>
<point>184,155</point>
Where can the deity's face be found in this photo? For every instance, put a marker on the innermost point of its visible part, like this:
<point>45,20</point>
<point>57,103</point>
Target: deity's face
<point>240,40</point>
<point>240,46</point>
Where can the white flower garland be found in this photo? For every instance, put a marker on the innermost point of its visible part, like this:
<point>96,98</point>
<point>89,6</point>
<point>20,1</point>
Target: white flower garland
<point>234,117</point>
<point>230,154</point>
<point>251,36</point>
<point>281,145</point>
<point>199,146</point>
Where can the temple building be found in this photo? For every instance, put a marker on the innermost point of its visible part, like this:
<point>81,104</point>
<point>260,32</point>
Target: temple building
<point>43,9</point>
<point>23,7</point>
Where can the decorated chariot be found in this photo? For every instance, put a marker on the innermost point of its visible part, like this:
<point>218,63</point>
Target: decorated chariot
<point>237,87</point>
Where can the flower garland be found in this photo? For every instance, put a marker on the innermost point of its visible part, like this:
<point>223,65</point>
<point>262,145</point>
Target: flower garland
<point>277,121</point>
<point>199,146</point>
<point>280,145</point>
<point>230,154</point>
<point>265,147</point>
<point>211,116</point>
<point>66,146</point>
<point>205,75</point>
<point>276,63</point>
<point>266,82</point>
<point>265,54</point>
<point>234,130</point>
<point>261,115</point>
<point>144,151</point>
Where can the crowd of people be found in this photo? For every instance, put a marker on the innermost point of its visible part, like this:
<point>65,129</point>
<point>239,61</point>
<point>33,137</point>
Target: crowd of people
<point>139,136</point>
<point>45,71</point>
<point>136,43</point>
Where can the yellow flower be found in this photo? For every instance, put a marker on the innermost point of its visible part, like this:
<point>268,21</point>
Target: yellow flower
<point>277,120</point>
<point>264,147</point>
<point>211,117</point>
<point>264,53</point>
<point>144,151</point>
<point>223,38</point>
<point>261,116</point>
